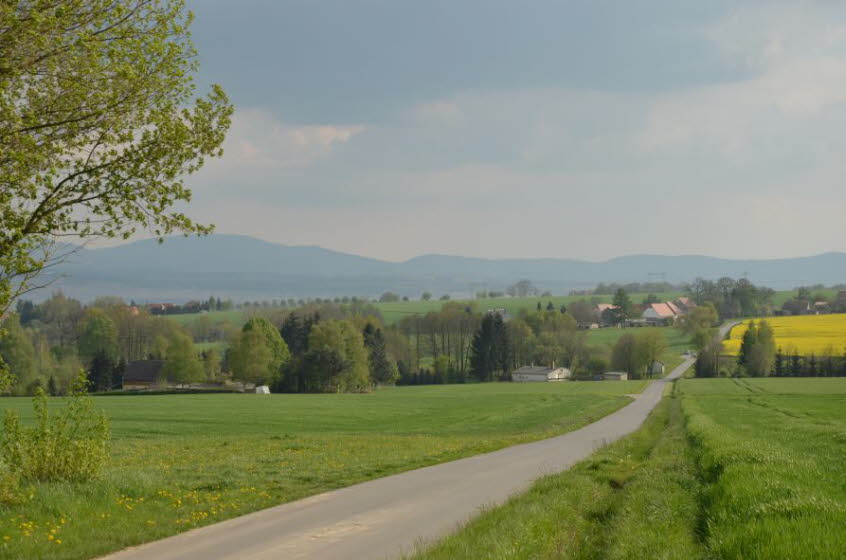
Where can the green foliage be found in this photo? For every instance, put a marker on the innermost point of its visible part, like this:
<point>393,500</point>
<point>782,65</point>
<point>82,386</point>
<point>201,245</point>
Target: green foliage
<point>757,350</point>
<point>259,353</point>
<point>67,446</point>
<point>490,352</point>
<point>17,358</point>
<point>623,307</point>
<point>97,127</point>
<point>382,370</point>
<point>181,362</point>
<point>346,343</point>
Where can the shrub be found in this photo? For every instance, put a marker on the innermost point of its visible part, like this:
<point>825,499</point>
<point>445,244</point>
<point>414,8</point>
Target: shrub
<point>69,445</point>
<point>10,485</point>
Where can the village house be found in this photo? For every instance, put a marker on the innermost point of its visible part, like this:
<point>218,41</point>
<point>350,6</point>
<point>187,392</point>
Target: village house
<point>615,375</point>
<point>660,313</point>
<point>541,373</point>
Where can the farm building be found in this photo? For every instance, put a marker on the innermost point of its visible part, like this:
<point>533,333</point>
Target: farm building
<point>660,313</point>
<point>615,375</point>
<point>142,374</point>
<point>541,373</point>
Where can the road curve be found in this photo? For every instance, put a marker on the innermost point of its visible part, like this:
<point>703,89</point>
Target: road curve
<point>385,517</point>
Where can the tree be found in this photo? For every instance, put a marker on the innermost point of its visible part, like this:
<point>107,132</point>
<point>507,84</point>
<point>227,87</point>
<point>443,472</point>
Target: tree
<point>522,288</point>
<point>382,370</point>
<point>100,372</point>
<point>211,365</point>
<point>700,317</point>
<point>389,297</point>
<point>275,343</point>
<point>96,131</point>
<point>627,355</point>
<point>490,350</point>
<point>426,296</point>
<point>748,340</point>
<point>19,356</point>
<point>758,349</point>
<point>651,344</point>
<point>181,362</point>
<point>623,308</point>
<point>250,359</point>
<point>340,338</point>
<point>98,335</point>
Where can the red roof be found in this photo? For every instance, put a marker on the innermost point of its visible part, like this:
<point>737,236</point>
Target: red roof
<point>662,309</point>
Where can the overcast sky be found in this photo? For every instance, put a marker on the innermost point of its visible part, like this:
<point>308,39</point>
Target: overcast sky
<point>529,129</point>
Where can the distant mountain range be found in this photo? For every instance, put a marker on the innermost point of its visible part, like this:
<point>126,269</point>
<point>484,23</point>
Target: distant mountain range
<point>245,268</point>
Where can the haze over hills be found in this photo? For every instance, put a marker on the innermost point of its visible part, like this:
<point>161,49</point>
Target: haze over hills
<point>243,268</point>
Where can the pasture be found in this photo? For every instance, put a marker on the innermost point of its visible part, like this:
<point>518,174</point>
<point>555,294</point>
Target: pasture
<point>180,461</point>
<point>802,334</point>
<point>723,468</point>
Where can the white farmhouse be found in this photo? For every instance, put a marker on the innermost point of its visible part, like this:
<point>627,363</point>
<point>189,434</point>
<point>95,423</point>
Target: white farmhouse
<point>615,375</point>
<point>541,373</point>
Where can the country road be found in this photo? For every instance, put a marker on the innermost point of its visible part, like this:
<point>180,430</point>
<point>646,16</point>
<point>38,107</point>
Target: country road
<point>385,517</point>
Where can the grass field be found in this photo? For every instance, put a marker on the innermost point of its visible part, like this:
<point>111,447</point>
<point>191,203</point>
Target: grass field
<point>807,334</point>
<point>677,341</point>
<point>731,469</point>
<point>182,461</point>
<point>235,316</point>
<point>393,312</point>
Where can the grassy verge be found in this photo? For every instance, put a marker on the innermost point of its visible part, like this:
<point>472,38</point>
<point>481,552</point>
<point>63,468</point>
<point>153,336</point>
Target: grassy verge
<point>181,461</point>
<point>637,498</point>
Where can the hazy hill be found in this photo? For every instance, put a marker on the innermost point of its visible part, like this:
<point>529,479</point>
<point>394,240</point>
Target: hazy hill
<point>246,268</point>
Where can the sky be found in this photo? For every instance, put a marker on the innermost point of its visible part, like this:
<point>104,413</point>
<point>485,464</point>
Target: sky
<point>494,128</point>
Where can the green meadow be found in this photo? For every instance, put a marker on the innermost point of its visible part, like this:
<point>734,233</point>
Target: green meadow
<point>723,468</point>
<point>181,461</point>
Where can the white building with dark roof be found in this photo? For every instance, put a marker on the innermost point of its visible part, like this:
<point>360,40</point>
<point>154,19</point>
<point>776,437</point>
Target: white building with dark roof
<point>541,373</point>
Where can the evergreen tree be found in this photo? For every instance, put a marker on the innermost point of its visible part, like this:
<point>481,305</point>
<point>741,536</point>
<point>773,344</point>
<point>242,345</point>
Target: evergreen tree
<point>750,338</point>
<point>623,308</point>
<point>490,349</point>
<point>117,374</point>
<point>778,366</point>
<point>482,358</point>
<point>382,370</point>
<point>100,372</point>
<point>550,307</point>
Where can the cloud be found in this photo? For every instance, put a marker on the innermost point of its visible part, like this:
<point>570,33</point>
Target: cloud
<point>257,139</point>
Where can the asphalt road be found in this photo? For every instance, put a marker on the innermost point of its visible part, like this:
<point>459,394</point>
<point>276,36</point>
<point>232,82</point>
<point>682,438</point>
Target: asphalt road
<point>385,517</point>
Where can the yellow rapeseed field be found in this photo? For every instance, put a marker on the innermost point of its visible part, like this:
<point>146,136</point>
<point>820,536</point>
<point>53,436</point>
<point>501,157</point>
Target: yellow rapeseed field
<point>804,334</point>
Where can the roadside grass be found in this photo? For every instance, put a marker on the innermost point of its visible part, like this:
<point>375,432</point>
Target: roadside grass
<point>773,457</point>
<point>677,341</point>
<point>636,498</point>
<point>182,461</point>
